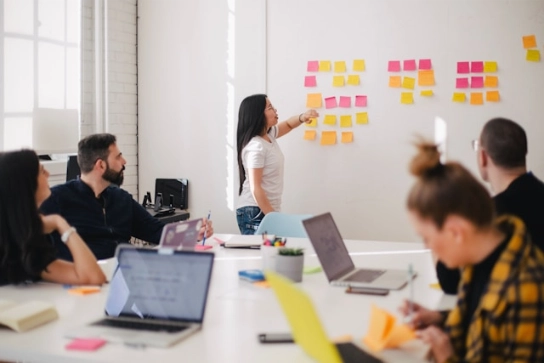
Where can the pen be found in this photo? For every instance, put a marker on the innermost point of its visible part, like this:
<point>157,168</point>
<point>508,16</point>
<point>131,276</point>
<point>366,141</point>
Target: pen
<point>410,281</point>
<point>206,227</point>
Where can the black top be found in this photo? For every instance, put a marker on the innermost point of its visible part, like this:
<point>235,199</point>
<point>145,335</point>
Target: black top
<point>524,198</point>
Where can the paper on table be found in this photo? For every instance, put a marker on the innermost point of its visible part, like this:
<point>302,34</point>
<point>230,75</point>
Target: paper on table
<point>384,333</point>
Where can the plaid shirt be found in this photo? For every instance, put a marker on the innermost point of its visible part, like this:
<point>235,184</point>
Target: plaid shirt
<point>508,324</point>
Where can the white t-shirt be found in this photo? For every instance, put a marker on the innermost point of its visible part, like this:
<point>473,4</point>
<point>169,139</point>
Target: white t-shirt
<point>259,153</point>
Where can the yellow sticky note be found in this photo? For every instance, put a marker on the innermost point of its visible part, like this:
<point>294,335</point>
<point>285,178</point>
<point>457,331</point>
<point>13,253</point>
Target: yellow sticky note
<point>354,80</point>
<point>324,66</point>
<point>347,137</point>
<point>345,121</point>
<point>340,67</point>
<point>313,100</point>
<point>459,97</point>
<point>338,81</point>
<point>328,137</point>
<point>408,82</point>
<point>425,78</point>
<point>533,55</point>
<point>394,81</point>
<point>477,98</point>
<point>359,65</point>
<point>426,93</point>
<point>529,41</point>
<point>490,67</point>
<point>491,81</point>
<point>406,98</point>
<point>492,96</point>
<point>312,123</point>
<point>330,120</point>
<point>309,134</point>
<point>361,118</point>
<point>436,286</point>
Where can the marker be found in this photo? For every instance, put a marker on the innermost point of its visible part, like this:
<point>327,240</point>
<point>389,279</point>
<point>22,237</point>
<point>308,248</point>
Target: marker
<point>206,227</point>
<point>410,281</point>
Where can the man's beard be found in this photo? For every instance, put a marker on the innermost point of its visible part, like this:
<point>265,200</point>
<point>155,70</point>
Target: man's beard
<point>113,176</point>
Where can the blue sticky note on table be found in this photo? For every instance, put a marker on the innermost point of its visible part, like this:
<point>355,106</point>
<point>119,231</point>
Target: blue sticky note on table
<point>251,275</point>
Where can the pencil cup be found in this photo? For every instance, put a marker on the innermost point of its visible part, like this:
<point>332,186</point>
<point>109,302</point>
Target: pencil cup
<point>269,254</point>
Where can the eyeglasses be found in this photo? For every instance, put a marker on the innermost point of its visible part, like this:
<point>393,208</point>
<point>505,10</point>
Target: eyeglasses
<point>475,145</point>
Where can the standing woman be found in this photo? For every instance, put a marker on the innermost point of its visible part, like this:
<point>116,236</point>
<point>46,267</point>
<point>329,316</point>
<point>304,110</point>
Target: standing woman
<point>25,252</point>
<point>260,160</point>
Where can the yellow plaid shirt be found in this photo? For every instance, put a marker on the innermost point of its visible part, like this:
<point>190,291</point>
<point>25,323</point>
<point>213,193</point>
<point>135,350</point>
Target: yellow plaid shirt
<point>508,324</point>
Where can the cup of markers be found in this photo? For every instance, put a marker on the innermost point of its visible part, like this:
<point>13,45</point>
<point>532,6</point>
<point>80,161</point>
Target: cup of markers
<point>269,250</point>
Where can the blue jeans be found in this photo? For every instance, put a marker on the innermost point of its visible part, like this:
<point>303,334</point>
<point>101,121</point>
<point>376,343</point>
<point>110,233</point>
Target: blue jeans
<point>249,219</point>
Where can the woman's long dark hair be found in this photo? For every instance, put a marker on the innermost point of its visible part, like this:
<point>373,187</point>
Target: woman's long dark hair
<point>22,243</point>
<point>251,122</point>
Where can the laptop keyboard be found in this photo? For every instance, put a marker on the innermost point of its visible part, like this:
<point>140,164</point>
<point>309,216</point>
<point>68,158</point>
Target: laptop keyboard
<point>140,326</point>
<point>350,353</point>
<point>365,275</point>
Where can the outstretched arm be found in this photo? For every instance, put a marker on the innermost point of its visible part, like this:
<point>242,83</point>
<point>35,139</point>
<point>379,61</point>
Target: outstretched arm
<point>295,121</point>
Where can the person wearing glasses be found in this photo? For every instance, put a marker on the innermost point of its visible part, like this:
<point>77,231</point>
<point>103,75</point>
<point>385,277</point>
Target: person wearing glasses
<point>260,160</point>
<point>501,151</point>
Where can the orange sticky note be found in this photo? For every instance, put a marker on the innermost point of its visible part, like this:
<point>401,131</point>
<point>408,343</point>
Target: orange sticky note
<point>361,118</point>
<point>354,80</point>
<point>408,82</point>
<point>262,284</point>
<point>384,333</point>
<point>529,41</point>
<point>458,97</point>
<point>338,81</point>
<point>492,96</point>
<point>477,98</point>
<point>312,123</point>
<point>491,81</point>
<point>425,78</point>
<point>328,137</point>
<point>330,120</point>
<point>84,290</point>
<point>345,121</point>
<point>324,66</point>
<point>313,100</point>
<point>340,67</point>
<point>359,65</point>
<point>394,81</point>
<point>406,98</point>
<point>347,137</point>
<point>309,134</point>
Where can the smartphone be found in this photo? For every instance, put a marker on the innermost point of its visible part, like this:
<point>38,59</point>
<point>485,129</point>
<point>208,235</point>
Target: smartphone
<point>276,338</point>
<point>366,291</point>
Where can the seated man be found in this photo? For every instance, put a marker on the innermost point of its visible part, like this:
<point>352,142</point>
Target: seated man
<point>501,150</point>
<point>103,214</point>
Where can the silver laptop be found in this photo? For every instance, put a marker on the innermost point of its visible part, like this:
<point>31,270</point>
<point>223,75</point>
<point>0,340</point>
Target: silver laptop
<point>157,297</point>
<point>180,235</point>
<point>337,263</point>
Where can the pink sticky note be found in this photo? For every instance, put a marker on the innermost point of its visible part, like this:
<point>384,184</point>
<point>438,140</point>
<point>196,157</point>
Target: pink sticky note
<point>476,67</point>
<point>425,64</point>
<point>345,101</point>
<point>476,82</point>
<point>360,101</point>
<point>463,67</point>
<point>393,66</point>
<point>203,247</point>
<point>330,102</point>
<point>461,83</point>
<point>313,66</point>
<point>85,344</point>
<point>410,65</point>
<point>309,81</point>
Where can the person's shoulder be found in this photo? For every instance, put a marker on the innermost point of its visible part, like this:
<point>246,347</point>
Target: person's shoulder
<point>255,144</point>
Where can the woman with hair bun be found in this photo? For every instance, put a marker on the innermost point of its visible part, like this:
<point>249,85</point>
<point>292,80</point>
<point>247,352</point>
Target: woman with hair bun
<point>499,316</point>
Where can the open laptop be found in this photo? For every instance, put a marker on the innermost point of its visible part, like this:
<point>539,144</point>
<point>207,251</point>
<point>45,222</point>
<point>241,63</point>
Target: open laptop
<point>337,263</point>
<point>156,297</point>
<point>180,235</point>
<point>307,330</point>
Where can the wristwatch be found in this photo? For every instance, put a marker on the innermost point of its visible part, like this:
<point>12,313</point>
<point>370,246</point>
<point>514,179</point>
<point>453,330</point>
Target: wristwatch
<point>67,234</point>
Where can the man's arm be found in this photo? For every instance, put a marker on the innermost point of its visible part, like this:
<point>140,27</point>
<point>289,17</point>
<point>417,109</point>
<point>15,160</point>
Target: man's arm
<point>144,225</point>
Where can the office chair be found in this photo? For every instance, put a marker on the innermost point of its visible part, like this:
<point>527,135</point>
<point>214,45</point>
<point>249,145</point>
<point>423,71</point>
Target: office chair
<point>72,168</point>
<point>283,225</point>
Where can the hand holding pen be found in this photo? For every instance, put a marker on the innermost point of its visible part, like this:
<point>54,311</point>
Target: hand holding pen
<point>421,317</point>
<point>207,227</point>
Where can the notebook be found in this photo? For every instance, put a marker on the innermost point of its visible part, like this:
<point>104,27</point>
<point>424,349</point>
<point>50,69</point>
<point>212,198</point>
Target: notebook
<point>337,263</point>
<point>307,330</point>
<point>157,297</point>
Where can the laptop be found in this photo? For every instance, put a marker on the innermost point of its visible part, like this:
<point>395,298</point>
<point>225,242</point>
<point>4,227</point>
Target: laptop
<point>337,263</point>
<point>180,235</point>
<point>308,332</point>
<point>157,297</point>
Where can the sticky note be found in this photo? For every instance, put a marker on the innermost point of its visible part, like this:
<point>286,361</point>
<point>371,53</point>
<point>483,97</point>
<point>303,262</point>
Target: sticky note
<point>84,290</point>
<point>88,344</point>
<point>338,81</point>
<point>359,65</point>
<point>476,82</point>
<point>345,121</point>
<point>360,101</point>
<point>324,66</point>
<point>312,269</point>
<point>426,93</point>
<point>436,286</point>
<point>459,97</point>
<point>425,78</point>
<point>476,67</point>
<point>313,100</point>
<point>461,83</point>
<point>361,118</point>
<point>328,137</point>
<point>406,98</point>
<point>340,66</point>
<point>393,66</point>
<point>492,96</point>
<point>529,41</point>
<point>408,82</point>
<point>312,123</point>
<point>345,101</point>
<point>354,80</point>
<point>395,81</point>
<point>313,66</point>
<point>477,98</point>
<point>330,120</point>
<point>425,64</point>
<point>330,102</point>
<point>262,284</point>
<point>533,55</point>
<point>491,81</point>
<point>310,81</point>
<point>383,332</point>
<point>309,134</point>
<point>490,67</point>
<point>347,137</point>
<point>409,65</point>
<point>463,67</point>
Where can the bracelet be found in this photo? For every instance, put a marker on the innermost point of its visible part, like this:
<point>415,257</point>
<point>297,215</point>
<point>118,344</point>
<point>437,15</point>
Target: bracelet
<point>299,118</point>
<point>67,234</point>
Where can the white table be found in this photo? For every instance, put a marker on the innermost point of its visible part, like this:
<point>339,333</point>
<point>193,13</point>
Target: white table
<point>236,312</point>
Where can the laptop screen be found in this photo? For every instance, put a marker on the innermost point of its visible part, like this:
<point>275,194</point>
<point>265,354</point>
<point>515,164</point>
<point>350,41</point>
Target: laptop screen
<point>160,284</point>
<point>329,246</point>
